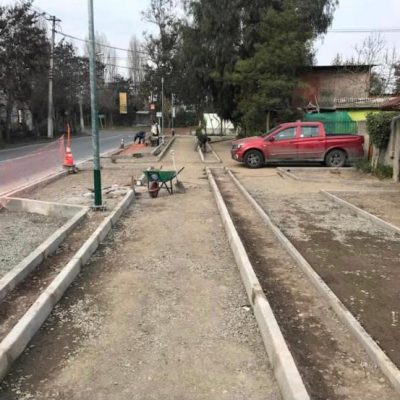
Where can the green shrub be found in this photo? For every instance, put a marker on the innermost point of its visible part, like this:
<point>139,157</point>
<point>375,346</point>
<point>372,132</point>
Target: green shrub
<point>378,127</point>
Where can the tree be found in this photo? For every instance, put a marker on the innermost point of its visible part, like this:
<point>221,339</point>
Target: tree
<point>161,48</point>
<point>137,62</point>
<point>207,50</point>
<point>219,36</point>
<point>218,41</point>
<point>71,90</point>
<point>24,54</point>
<point>105,55</point>
<point>268,79</point>
<point>382,61</point>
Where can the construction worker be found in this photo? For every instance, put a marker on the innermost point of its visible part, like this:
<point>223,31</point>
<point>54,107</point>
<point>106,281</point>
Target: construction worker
<point>155,134</point>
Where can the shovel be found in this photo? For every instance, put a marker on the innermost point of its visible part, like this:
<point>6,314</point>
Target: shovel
<point>178,185</point>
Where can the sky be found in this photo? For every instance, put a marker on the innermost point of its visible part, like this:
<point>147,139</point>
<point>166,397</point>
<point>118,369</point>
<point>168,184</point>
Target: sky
<point>120,19</point>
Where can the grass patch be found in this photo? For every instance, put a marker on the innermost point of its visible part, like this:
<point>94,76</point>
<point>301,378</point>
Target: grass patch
<point>363,166</point>
<point>381,171</point>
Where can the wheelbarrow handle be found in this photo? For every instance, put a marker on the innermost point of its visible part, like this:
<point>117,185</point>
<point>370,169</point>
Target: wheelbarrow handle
<point>179,171</point>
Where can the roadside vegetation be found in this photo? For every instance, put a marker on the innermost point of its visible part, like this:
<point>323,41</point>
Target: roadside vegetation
<point>244,69</point>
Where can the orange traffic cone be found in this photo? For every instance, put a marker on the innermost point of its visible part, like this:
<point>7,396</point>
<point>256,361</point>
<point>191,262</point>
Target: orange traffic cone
<point>69,159</point>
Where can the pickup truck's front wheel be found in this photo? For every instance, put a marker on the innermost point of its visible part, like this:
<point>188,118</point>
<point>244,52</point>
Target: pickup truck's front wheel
<point>335,159</point>
<point>254,159</point>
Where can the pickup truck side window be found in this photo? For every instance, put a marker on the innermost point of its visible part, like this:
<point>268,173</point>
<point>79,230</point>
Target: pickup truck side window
<point>289,133</point>
<point>309,131</point>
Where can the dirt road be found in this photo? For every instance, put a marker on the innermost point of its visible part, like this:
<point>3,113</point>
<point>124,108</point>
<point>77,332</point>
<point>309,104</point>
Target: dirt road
<point>159,313</point>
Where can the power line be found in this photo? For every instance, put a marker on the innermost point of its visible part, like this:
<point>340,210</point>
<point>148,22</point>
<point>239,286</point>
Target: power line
<point>100,44</point>
<point>366,30</point>
<point>51,17</point>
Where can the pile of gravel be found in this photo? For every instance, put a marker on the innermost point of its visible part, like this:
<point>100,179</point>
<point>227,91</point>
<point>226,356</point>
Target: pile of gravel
<point>21,233</point>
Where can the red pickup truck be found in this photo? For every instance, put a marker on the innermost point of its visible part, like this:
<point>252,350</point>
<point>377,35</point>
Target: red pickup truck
<point>298,142</point>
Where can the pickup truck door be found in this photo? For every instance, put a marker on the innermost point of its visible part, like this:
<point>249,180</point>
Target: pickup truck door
<point>282,145</point>
<point>311,144</point>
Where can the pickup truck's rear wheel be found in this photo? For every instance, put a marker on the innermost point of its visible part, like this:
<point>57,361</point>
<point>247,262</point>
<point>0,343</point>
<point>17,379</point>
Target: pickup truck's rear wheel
<point>335,159</point>
<point>254,159</point>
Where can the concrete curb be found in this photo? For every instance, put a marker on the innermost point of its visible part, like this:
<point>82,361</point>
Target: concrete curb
<point>41,207</point>
<point>18,338</point>
<point>156,150</point>
<point>383,224</point>
<point>282,172</point>
<point>377,355</point>
<point>203,159</point>
<point>167,147</point>
<point>286,373</point>
<point>9,281</point>
<point>138,161</point>
<point>214,153</point>
<point>201,154</point>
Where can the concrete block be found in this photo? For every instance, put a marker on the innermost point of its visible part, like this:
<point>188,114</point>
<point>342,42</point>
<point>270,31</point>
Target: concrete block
<point>50,245</point>
<point>17,339</point>
<point>15,342</point>
<point>122,206</point>
<point>63,280</point>
<point>103,230</point>
<point>42,207</point>
<point>88,248</point>
<point>9,281</point>
<point>285,369</point>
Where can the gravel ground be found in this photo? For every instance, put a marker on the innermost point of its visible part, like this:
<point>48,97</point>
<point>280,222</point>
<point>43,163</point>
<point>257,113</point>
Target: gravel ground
<point>21,233</point>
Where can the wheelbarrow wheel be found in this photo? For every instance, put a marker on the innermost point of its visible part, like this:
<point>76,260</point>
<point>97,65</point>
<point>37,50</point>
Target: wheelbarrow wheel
<point>154,188</point>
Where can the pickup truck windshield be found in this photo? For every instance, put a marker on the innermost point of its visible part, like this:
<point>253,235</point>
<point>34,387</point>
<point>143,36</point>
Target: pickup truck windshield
<point>271,131</point>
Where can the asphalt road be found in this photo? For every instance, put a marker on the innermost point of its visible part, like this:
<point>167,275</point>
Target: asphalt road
<point>81,146</point>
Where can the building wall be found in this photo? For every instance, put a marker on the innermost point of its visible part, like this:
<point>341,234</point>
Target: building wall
<point>324,86</point>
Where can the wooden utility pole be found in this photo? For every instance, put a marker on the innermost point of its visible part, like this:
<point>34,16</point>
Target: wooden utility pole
<point>50,114</point>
